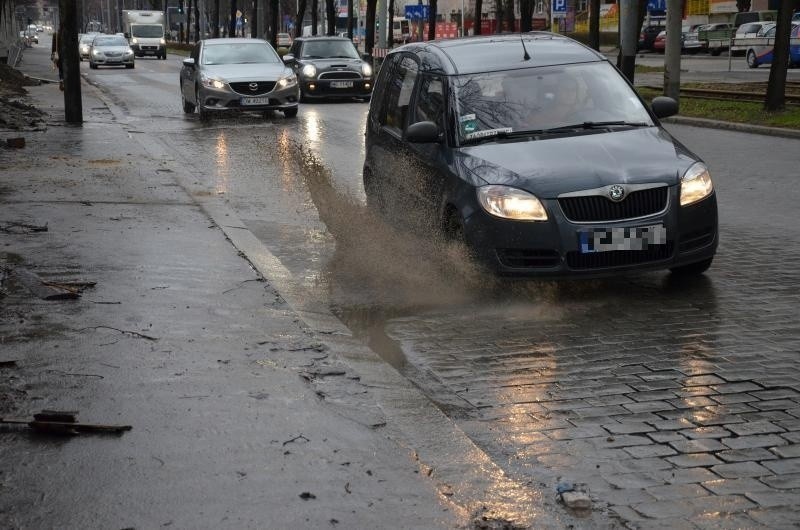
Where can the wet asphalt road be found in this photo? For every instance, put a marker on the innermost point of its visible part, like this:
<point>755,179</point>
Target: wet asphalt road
<point>674,404</point>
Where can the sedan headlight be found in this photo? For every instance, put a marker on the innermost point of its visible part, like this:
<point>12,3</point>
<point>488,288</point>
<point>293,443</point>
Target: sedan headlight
<point>309,71</point>
<point>511,203</point>
<point>696,184</point>
<point>287,81</point>
<point>366,70</point>
<point>211,82</point>
<point>97,53</point>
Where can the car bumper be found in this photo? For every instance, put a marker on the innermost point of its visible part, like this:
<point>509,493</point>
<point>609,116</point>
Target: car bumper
<point>112,61</point>
<point>212,99</point>
<point>553,248</point>
<point>327,88</point>
<point>141,50</point>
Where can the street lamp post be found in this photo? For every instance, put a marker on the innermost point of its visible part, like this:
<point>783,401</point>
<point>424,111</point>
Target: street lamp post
<point>463,31</point>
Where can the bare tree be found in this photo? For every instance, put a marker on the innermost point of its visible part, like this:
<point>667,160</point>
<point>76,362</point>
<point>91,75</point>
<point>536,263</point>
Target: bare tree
<point>433,5</point>
<point>390,25</point>
<point>298,19</point>
<point>476,24</point>
<point>314,17</point>
<point>370,29</point>
<point>526,15</point>
<point>776,87</point>
<point>330,11</point>
<point>594,24</point>
<point>274,8</point>
<point>232,20</point>
<point>215,20</point>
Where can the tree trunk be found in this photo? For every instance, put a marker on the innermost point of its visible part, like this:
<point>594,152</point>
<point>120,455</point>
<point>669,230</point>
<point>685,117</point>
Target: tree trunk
<point>330,10</point>
<point>594,24</point>
<point>370,29</point>
<point>215,20</point>
<point>70,63</point>
<point>298,20</point>
<point>776,86</point>
<point>432,7</point>
<point>390,26</point>
<point>314,16</point>
<point>232,21</point>
<point>525,15</point>
<point>510,18</point>
<point>477,17</point>
<point>274,8</point>
<point>350,19</point>
<point>254,20</point>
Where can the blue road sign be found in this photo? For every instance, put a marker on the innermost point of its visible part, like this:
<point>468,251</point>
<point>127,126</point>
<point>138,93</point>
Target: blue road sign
<point>417,12</point>
<point>559,6</point>
<point>656,5</point>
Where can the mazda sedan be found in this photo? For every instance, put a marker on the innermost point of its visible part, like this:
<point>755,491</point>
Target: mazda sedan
<point>237,75</point>
<point>329,67</point>
<point>537,154</point>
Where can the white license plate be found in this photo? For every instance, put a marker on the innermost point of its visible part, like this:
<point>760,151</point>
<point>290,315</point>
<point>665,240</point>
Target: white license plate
<point>341,84</point>
<point>255,101</point>
<point>621,238</point>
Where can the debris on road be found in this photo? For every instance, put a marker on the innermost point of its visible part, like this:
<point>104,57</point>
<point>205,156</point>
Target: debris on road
<point>43,289</point>
<point>13,227</point>
<point>307,496</point>
<point>577,500</point>
<point>64,422</point>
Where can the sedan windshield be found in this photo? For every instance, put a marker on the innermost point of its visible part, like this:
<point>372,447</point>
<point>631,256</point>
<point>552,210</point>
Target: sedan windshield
<point>326,49</point>
<point>542,99</point>
<point>240,53</point>
<point>110,41</point>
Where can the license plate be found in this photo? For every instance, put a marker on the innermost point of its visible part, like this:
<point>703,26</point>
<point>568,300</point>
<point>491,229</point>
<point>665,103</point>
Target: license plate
<point>621,238</point>
<point>341,84</point>
<point>255,101</point>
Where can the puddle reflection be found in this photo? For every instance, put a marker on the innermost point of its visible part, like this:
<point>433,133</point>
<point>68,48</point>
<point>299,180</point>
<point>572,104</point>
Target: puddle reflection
<point>222,163</point>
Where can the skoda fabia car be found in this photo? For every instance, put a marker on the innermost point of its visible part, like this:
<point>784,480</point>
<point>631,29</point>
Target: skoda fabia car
<point>237,74</point>
<point>539,155</point>
<point>329,67</point>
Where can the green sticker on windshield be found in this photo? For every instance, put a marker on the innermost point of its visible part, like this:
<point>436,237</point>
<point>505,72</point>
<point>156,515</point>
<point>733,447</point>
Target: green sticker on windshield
<point>469,124</point>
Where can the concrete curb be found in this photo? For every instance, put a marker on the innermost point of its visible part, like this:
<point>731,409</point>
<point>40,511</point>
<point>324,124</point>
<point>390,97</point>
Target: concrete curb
<point>732,126</point>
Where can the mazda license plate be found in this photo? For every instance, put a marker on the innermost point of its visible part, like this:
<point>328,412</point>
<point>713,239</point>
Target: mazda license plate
<point>621,238</point>
<point>341,84</point>
<point>255,101</point>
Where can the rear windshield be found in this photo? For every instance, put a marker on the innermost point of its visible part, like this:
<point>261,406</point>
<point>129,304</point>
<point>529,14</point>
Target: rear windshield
<point>240,53</point>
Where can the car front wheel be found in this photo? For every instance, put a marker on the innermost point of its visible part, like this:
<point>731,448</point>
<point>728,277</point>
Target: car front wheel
<point>752,62</point>
<point>290,113</point>
<point>203,113</point>
<point>188,108</point>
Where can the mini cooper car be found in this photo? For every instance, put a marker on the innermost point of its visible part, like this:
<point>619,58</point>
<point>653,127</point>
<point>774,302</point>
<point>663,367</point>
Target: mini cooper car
<point>538,154</point>
<point>237,74</point>
<point>329,67</point>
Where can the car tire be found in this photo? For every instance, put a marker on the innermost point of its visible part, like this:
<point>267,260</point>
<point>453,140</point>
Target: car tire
<point>201,112</point>
<point>692,269</point>
<point>290,113</point>
<point>129,66</point>
<point>92,66</point>
<point>188,108</point>
<point>752,62</point>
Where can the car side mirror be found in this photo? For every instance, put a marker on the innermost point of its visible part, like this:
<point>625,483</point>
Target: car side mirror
<point>189,61</point>
<point>664,107</point>
<point>288,58</point>
<point>422,132</point>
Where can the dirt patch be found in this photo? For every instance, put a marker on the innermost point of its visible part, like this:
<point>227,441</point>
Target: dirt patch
<point>15,114</point>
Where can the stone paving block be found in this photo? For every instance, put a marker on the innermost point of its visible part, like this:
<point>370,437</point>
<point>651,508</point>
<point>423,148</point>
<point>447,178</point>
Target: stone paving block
<point>773,518</point>
<point>710,418</point>
<point>666,436</point>
<point>776,404</point>
<point>612,399</point>
<point>673,425</point>
<point>694,391</point>
<point>702,380</point>
<point>720,504</point>
<point>728,521</point>
<point>751,442</point>
<point>671,492</point>
<point>648,406</point>
<point>781,393</point>
<point>607,411</point>
<point>626,513</point>
<point>697,446</point>
<point>741,470</point>
<point>742,455</point>
<point>733,388</point>
<point>731,408</point>
<point>783,482</point>
<point>739,486</point>
<point>648,451</point>
<point>633,480</point>
<point>692,402</point>
<point>625,496</point>
<point>647,464</point>
<point>772,499</point>
<point>576,433</point>
<point>725,399</point>
<point>784,466</point>
<point>652,395</point>
<point>628,428</point>
<point>662,510</point>
<point>754,427</point>
<point>661,375</point>
<point>618,441</point>
<point>694,460</point>
<point>773,416</point>
<point>791,437</point>
<point>691,475</point>
<point>787,451</point>
<point>706,432</point>
<point>564,404</point>
<point>646,386</point>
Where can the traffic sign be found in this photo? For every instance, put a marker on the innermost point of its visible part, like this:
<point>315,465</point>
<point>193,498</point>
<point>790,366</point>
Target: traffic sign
<point>417,12</point>
<point>559,6</point>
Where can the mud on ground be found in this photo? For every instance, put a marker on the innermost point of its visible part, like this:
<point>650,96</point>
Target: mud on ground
<point>15,113</point>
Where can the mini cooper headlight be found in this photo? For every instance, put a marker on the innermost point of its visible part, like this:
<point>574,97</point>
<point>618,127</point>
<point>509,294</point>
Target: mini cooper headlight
<point>211,82</point>
<point>287,81</point>
<point>366,70</point>
<point>309,71</point>
<point>511,203</point>
<point>695,184</point>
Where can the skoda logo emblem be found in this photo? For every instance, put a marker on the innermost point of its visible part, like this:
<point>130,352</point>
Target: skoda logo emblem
<point>616,193</point>
<point>253,86</point>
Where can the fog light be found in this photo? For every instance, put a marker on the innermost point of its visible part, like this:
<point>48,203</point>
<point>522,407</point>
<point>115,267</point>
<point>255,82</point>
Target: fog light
<point>312,87</point>
<point>366,85</point>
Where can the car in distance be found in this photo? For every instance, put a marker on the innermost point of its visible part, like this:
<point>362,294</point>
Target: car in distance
<point>329,67</point>
<point>745,31</point>
<point>541,158</point>
<point>85,46</point>
<point>110,50</point>
<point>758,54</point>
<point>648,36</point>
<point>283,40</point>
<point>237,74</point>
<point>660,43</point>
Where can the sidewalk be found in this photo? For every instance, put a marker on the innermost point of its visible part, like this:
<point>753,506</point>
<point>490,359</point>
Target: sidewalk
<point>179,338</point>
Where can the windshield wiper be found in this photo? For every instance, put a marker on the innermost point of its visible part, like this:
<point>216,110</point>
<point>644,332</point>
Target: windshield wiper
<point>598,125</point>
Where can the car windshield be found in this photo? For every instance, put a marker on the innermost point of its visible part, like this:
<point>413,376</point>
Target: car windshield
<point>542,99</point>
<point>240,53</point>
<point>87,39</point>
<point>151,31</point>
<point>110,41</point>
<point>326,49</point>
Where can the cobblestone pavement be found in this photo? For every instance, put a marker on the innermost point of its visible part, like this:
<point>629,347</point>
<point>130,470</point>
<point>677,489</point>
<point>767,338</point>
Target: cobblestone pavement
<point>673,404</point>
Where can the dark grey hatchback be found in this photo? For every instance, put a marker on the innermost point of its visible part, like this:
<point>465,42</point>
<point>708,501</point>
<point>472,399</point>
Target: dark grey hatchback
<point>536,152</point>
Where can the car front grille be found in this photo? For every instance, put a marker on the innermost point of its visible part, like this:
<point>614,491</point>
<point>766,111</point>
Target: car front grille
<point>340,75</point>
<point>594,208</point>
<point>618,258</point>
<point>260,87</point>
<point>113,54</point>
<point>527,258</point>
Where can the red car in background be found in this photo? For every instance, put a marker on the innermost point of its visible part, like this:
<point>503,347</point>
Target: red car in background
<point>660,42</point>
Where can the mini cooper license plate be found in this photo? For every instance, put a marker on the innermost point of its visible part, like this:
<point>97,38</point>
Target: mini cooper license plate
<point>621,238</point>
<point>341,84</point>
<point>255,101</point>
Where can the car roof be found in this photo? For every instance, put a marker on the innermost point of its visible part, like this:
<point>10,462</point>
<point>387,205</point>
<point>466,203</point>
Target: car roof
<point>214,42</point>
<point>500,52</point>
<point>321,37</point>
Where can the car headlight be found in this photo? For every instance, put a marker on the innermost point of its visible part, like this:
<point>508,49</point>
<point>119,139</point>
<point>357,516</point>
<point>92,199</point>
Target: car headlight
<point>287,81</point>
<point>128,53</point>
<point>366,70</point>
<point>695,184</point>
<point>511,203</point>
<point>134,41</point>
<point>162,42</point>
<point>97,53</point>
<point>212,82</point>
<point>309,70</point>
